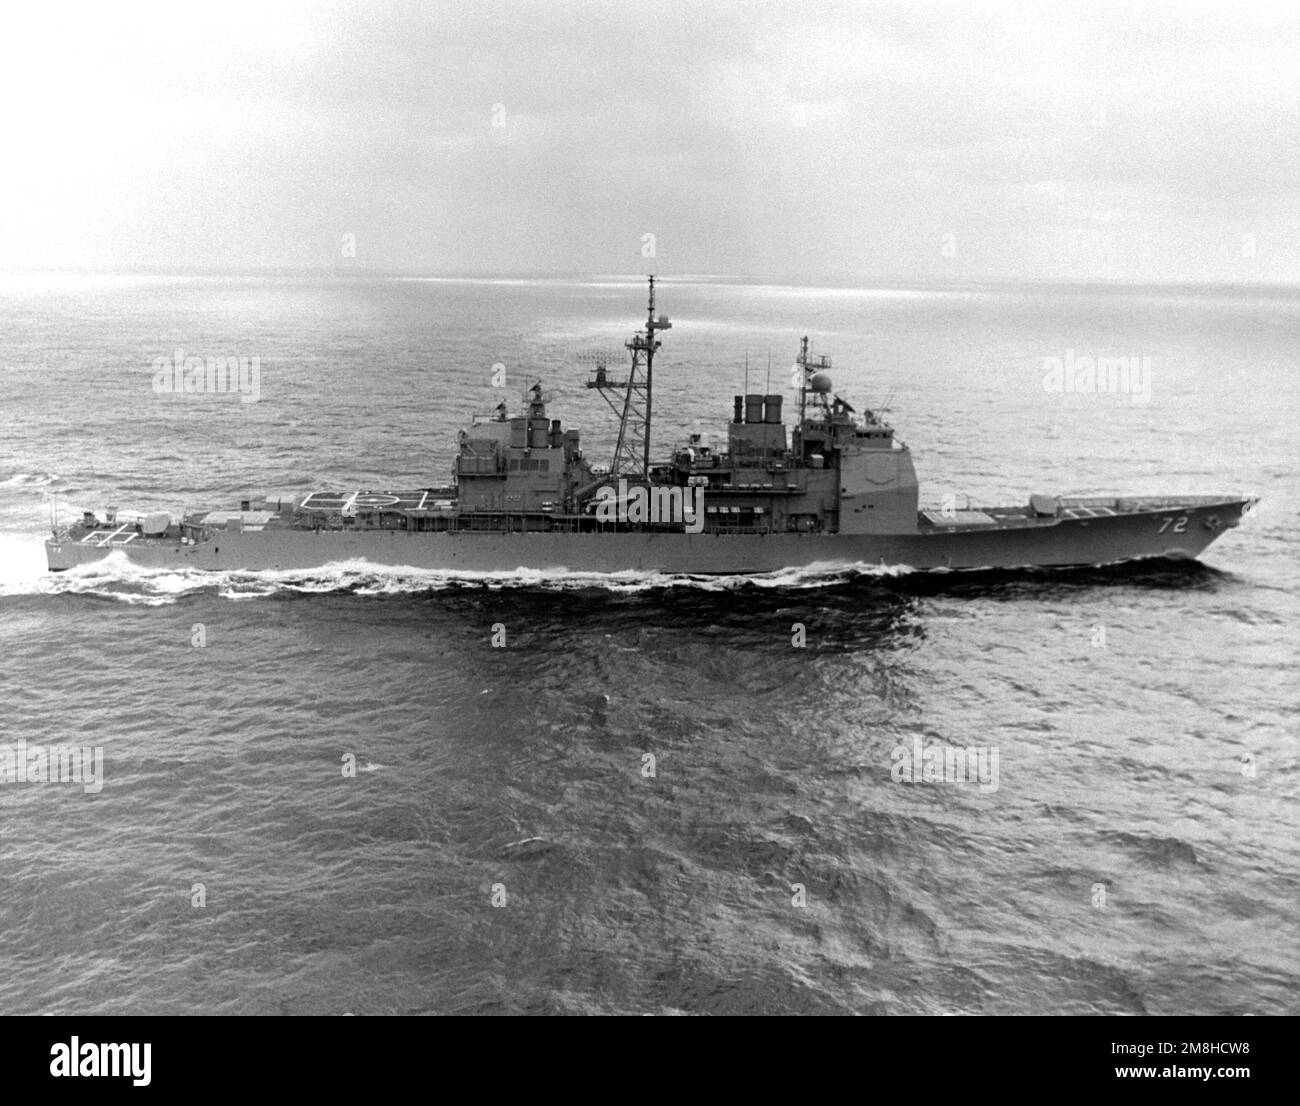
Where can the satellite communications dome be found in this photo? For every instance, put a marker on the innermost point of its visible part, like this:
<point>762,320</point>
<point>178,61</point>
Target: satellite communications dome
<point>820,383</point>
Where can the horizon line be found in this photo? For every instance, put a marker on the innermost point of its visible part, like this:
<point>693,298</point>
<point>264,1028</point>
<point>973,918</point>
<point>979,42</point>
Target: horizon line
<point>827,280</point>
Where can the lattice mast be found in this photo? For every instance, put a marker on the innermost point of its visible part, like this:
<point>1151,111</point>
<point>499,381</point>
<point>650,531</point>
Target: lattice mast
<point>806,366</point>
<point>632,453</point>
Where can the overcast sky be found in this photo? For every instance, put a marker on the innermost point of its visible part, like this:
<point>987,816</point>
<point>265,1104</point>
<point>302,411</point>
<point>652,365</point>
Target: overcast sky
<point>800,140</point>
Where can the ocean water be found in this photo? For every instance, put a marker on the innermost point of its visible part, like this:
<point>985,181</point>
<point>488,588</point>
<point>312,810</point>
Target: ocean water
<point>650,800</point>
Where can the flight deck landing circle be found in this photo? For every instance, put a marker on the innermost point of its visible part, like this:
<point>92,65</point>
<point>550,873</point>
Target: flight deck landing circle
<point>376,501</point>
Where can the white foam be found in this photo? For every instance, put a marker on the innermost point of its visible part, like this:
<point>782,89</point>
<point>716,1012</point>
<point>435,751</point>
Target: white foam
<point>23,571</point>
<point>31,480</point>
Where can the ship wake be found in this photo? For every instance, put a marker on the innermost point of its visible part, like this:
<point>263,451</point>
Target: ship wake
<point>117,578</point>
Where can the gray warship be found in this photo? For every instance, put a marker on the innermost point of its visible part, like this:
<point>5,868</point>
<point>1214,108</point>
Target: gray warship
<point>838,490</point>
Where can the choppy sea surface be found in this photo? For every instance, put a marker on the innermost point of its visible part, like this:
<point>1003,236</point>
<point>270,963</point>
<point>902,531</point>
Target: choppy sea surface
<point>329,792</point>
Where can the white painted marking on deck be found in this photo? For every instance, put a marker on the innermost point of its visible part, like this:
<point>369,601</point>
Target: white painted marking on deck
<point>114,534</point>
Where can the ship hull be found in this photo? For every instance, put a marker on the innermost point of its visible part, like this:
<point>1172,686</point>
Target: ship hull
<point>1179,532</point>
